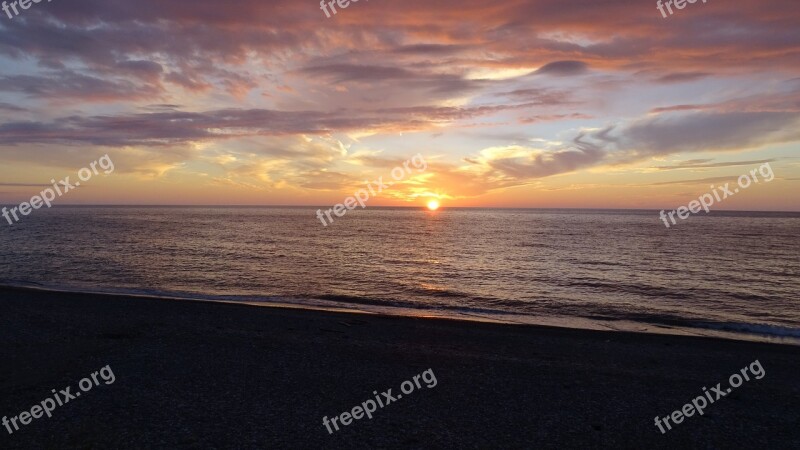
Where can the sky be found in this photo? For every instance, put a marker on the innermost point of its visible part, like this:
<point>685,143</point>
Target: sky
<point>536,103</point>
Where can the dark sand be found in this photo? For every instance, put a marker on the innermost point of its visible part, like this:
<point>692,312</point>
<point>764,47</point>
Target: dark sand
<point>204,375</point>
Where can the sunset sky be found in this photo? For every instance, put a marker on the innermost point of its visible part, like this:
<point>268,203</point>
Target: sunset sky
<point>538,103</point>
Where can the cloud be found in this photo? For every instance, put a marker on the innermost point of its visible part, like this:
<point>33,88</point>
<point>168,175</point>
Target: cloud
<point>170,83</point>
<point>707,164</point>
<point>664,109</point>
<point>12,108</point>
<point>186,40</point>
<point>697,181</point>
<point>171,127</point>
<point>70,85</point>
<point>392,80</point>
<point>340,73</point>
<point>649,137</point>
<point>543,164</point>
<point>539,96</point>
<point>563,68</point>
<point>708,131</point>
<point>554,117</point>
<point>682,77</point>
<point>431,49</point>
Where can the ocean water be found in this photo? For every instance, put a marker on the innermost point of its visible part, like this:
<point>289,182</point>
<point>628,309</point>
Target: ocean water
<point>734,275</point>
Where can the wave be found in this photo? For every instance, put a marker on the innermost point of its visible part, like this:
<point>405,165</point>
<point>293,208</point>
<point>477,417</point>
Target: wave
<point>735,330</point>
<point>752,328</point>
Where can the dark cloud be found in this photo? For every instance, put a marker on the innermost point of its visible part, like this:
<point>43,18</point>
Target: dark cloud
<point>648,137</point>
<point>681,77</point>
<point>161,107</point>
<point>150,47</point>
<point>563,68</point>
<point>707,164</point>
<point>554,117</point>
<point>341,73</point>
<point>71,85</point>
<point>187,37</point>
<point>362,76</point>
<point>431,49</point>
<point>579,155</point>
<point>177,127</point>
<point>540,96</point>
<point>709,131</point>
<point>12,108</point>
<point>696,181</point>
<point>679,108</point>
<point>146,70</point>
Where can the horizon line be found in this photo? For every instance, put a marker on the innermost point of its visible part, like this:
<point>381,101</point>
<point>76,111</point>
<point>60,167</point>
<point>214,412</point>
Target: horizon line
<point>110,205</point>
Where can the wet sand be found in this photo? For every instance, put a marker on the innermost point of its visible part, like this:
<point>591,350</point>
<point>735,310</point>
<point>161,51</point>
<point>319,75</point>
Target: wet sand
<point>210,375</point>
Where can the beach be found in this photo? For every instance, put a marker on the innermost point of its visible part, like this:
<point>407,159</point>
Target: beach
<point>191,374</point>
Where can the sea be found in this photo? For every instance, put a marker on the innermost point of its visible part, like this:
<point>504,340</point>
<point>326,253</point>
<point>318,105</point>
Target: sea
<point>729,274</point>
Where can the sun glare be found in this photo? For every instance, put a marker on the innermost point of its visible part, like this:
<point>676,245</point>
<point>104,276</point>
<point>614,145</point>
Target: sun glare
<point>433,205</point>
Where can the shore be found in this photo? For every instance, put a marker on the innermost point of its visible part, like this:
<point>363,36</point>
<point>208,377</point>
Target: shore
<point>212,375</point>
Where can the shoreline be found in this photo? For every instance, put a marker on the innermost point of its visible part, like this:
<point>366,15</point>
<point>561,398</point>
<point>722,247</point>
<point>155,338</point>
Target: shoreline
<point>570,323</point>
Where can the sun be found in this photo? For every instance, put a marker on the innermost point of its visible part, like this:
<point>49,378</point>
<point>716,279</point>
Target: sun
<point>433,205</point>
